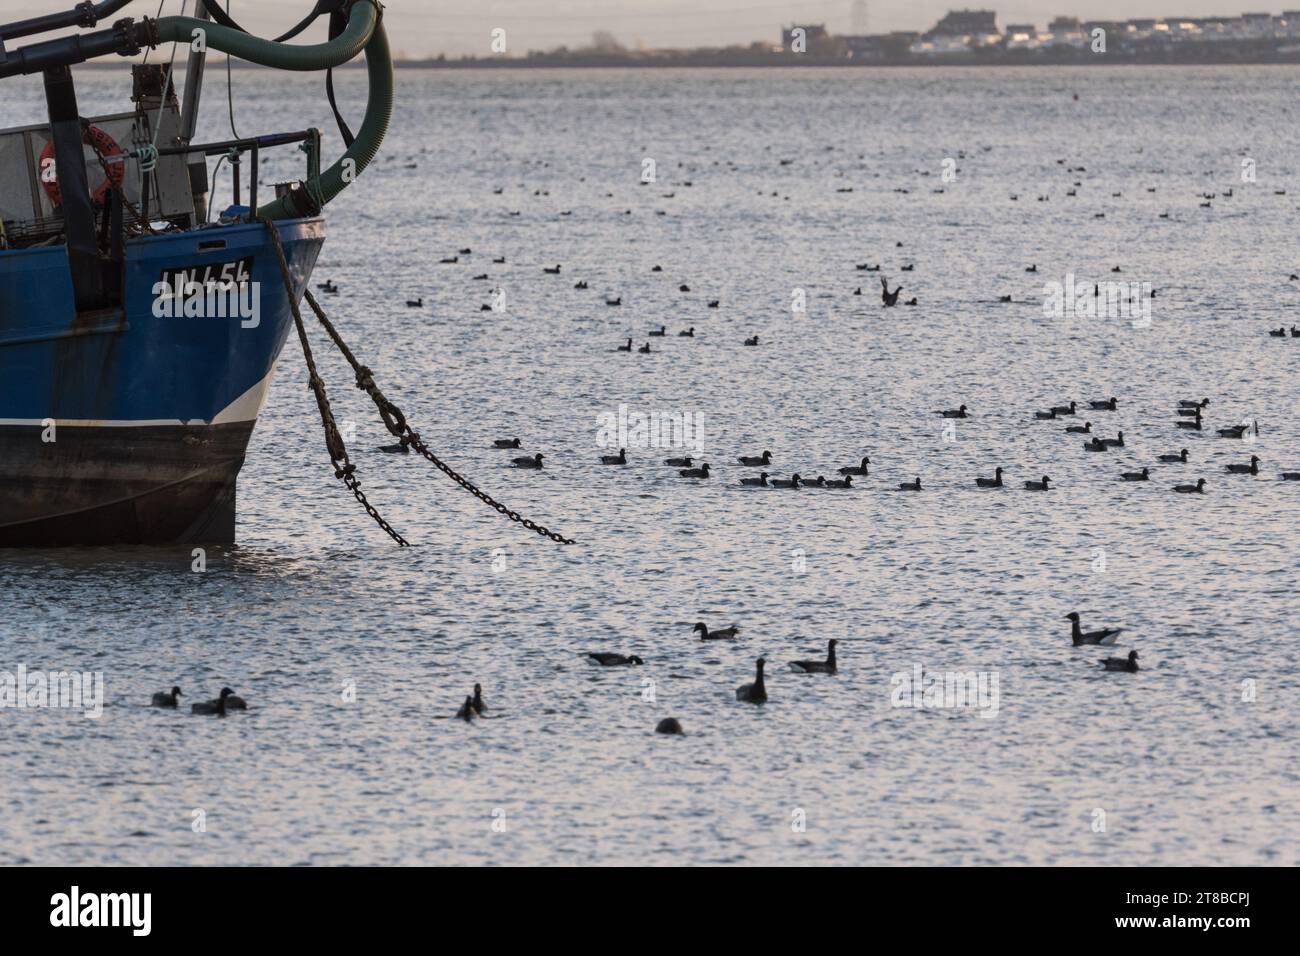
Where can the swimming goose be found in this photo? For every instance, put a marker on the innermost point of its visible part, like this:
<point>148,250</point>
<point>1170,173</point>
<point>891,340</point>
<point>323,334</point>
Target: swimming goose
<point>1096,445</point>
<point>714,303</point>
<point>760,481</point>
<point>914,485</point>
<point>1117,442</point>
<point>449,260</point>
<point>1004,298</point>
<point>625,348</point>
<point>1251,469</point>
<point>688,334</point>
<point>859,469</point>
<point>549,271</point>
<point>327,286</point>
<point>581,284</point>
<point>959,412</point>
<point>1295,333</point>
<point>499,260</point>
<point>1237,431</point>
<point>701,472</point>
<point>793,482</point>
<point>1196,489</point>
<point>1107,406</point>
<point>764,459</point>
<point>526,462</point>
<point>619,459</point>
<point>645,349</point>
<point>1044,416</point>
<point>217,706</point>
<point>415,303</point>
<point>1106,636</point>
<point>480,277</point>
<point>911,301</point>
<point>612,300</point>
<point>722,634</point>
<point>818,482</point>
<point>755,693</point>
<point>818,667</point>
<point>610,659</point>
<point>1064,409</point>
<point>683,288</point>
<point>1038,485</point>
<point>1189,403</point>
<point>1084,429</point>
<point>1129,664</point>
<point>506,443</point>
<point>1278,333</point>
<point>656,268</point>
<point>1290,476</point>
<point>845,482</point>
<point>679,462</point>
<point>663,330</point>
<point>669,725</point>
<point>466,712</point>
<point>1193,425</point>
<point>752,341</point>
<point>1033,268</point>
<point>1188,411</point>
<point>1143,475</point>
<point>908,268</point>
<point>887,297</point>
<point>164,699</point>
<point>994,482</point>
<point>479,706</point>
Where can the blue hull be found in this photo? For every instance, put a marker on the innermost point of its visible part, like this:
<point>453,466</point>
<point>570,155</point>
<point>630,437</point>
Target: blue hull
<point>150,411</point>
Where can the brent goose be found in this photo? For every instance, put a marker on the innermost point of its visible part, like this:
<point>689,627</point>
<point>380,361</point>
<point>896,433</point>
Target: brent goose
<point>845,482</point>
<point>610,659</point>
<point>549,271</point>
<point>701,472</point>
<point>683,288</point>
<point>792,482</point>
<point>818,667</point>
<point>217,706</point>
<point>1106,406</point>
<point>1064,409</point>
<point>1129,664</point>
<point>581,284</point>
<point>1189,403</point>
<point>959,412</point>
<point>506,443</point>
<point>499,260</point>
<point>1105,636</point>
<point>479,706</point>
<point>713,303</point>
<point>679,462</point>
<point>859,469</point>
<point>1084,429</point>
<point>1238,431</point>
<point>760,481</point>
<point>887,297</point>
<point>526,462</point>
<point>752,341</point>
<point>818,482</point>
<point>164,699</point>
<point>619,459</point>
<point>755,693</point>
<point>1143,475</point>
<point>994,482</point>
<point>1037,485</point>
<point>1278,333</point>
<point>626,348</point>
<point>1096,445</point>
<point>722,634</point>
<point>415,303</point>
<point>1196,489</point>
<point>1251,469</point>
<point>1291,476</point>
<point>1043,416</point>
<point>645,349</point>
<point>669,725</point>
<point>1117,442</point>
<point>688,334</point>
<point>614,300</point>
<point>1193,425</point>
<point>913,485</point>
<point>764,459</point>
<point>466,712</point>
<point>662,331</point>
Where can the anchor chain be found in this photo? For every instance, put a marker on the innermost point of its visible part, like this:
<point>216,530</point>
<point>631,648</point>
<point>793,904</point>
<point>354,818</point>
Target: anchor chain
<point>338,452</point>
<point>398,426</point>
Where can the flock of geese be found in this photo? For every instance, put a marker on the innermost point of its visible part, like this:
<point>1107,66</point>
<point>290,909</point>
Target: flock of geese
<point>227,700</point>
<point>1188,418</point>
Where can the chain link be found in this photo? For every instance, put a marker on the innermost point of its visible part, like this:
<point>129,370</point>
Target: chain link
<point>398,426</point>
<point>338,452</point>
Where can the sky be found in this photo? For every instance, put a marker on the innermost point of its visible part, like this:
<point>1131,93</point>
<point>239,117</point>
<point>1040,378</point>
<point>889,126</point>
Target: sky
<point>419,28</point>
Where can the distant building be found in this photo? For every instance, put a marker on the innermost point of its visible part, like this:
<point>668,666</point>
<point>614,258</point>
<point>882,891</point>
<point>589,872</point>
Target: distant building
<point>1063,25</point>
<point>958,23</point>
<point>880,47</point>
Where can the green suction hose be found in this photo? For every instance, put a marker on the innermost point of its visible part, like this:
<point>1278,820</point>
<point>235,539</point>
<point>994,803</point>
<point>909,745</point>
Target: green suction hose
<point>364,33</point>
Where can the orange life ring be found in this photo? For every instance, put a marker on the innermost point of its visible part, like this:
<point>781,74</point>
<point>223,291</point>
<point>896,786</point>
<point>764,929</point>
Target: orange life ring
<point>104,145</point>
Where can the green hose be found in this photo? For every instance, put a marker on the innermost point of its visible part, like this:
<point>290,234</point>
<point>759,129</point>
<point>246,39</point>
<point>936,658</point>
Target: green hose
<point>364,33</point>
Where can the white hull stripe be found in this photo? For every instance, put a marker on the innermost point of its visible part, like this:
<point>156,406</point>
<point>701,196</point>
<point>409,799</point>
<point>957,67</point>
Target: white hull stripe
<point>245,408</point>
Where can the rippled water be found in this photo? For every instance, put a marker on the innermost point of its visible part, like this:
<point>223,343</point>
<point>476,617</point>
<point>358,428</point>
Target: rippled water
<point>314,598</point>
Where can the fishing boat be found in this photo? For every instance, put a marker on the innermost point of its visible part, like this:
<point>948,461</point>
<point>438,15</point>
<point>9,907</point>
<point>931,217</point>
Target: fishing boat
<point>141,317</point>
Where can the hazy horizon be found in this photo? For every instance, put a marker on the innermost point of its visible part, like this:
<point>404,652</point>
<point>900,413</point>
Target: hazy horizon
<point>433,27</point>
